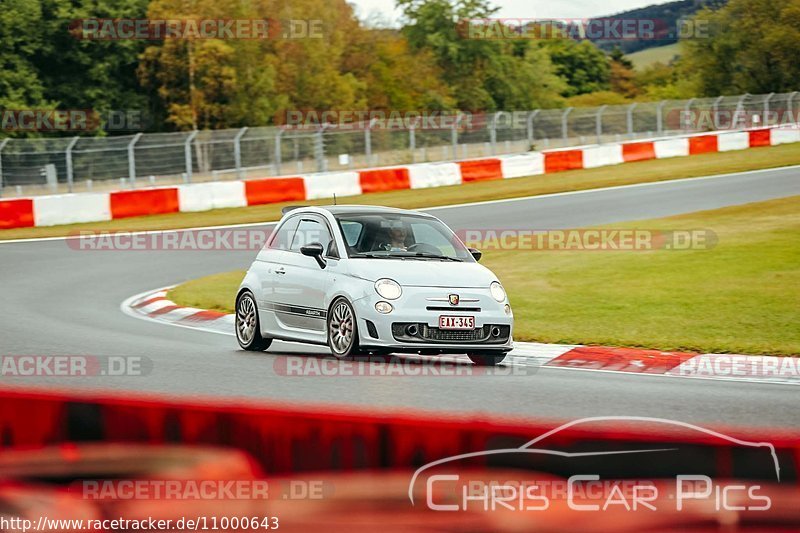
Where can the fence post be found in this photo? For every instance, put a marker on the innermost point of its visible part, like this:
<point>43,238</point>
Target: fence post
<point>766,108</point>
<point>598,122</point>
<point>454,135</point>
<point>3,145</point>
<point>412,142</point>
<point>237,151</point>
<point>629,117</point>
<point>531,118</point>
<point>132,159</point>
<point>493,132</point>
<point>68,154</point>
<point>187,153</point>
<point>278,154</point>
<point>686,110</point>
<point>319,149</point>
<point>660,116</point>
<point>739,107</point>
<point>788,108</point>
<point>564,122</point>
<point>716,111</point>
<point>368,140</point>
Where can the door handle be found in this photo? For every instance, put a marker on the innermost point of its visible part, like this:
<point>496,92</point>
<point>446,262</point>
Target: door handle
<point>280,270</point>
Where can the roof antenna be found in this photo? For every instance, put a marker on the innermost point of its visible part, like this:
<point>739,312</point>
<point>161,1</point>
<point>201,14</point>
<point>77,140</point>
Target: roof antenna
<point>334,198</point>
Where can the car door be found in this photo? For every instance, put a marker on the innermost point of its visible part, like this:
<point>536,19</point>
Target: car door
<point>305,285</point>
<point>270,268</point>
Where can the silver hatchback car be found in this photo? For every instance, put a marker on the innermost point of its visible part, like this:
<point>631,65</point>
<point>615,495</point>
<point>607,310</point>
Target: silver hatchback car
<point>365,279</point>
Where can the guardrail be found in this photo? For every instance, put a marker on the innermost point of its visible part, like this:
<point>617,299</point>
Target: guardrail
<point>57,165</point>
<point>101,206</point>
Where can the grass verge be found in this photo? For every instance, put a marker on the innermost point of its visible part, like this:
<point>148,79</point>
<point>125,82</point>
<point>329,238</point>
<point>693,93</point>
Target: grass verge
<point>741,296</point>
<point>626,174</point>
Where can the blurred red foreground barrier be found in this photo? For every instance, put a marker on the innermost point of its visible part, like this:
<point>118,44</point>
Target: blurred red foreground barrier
<point>285,440</point>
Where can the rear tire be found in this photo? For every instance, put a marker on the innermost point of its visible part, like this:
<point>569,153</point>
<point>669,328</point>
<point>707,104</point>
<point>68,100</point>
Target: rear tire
<point>342,329</point>
<point>486,359</point>
<point>248,327</point>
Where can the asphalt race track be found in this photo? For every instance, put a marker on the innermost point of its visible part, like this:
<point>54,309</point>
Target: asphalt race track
<point>60,301</point>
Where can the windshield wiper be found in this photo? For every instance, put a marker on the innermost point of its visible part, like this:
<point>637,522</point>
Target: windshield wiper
<point>369,255</point>
<point>435,256</point>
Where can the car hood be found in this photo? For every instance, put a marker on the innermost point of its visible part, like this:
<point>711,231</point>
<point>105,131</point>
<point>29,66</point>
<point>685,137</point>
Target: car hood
<point>432,273</point>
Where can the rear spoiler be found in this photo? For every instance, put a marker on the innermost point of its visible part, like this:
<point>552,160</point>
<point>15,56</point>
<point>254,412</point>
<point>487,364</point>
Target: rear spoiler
<point>290,208</point>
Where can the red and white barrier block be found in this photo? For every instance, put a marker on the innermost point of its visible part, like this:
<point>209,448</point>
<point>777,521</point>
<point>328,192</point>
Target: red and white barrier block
<point>95,207</point>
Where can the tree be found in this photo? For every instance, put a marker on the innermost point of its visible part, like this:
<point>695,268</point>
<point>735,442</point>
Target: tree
<point>621,76</point>
<point>585,67</point>
<point>751,46</point>
<point>396,78</point>
<point>89,74</point>
<point>20,43</point>
<point>483,74</point>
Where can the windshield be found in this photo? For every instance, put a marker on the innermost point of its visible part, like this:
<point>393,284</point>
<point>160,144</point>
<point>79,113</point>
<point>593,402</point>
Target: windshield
<point>400,236</point>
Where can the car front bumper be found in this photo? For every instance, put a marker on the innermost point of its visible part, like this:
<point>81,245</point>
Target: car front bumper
<point>422,306</point>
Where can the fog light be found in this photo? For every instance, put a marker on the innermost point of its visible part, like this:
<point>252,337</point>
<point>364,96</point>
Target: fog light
<point>507,309</point>
<point>384,307</point>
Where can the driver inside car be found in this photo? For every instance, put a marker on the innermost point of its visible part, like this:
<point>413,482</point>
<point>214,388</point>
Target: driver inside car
<point>397,238</point>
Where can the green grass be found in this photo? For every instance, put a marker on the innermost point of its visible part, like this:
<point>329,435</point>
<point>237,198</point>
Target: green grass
<point>216,292</point>
<point>641,172</point>
<point>741,296</point>
<point>658,54</point>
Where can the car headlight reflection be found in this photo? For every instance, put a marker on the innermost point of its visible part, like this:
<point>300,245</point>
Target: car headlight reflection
<point>498,293</point>
<point>388,288</point>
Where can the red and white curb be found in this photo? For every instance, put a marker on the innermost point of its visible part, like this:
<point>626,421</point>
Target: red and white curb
<point>155,306</point>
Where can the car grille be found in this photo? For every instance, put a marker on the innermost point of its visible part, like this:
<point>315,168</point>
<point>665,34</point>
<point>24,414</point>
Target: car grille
<point>430,334</point>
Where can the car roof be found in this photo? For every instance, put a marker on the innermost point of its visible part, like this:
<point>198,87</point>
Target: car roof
<point>357,209</point>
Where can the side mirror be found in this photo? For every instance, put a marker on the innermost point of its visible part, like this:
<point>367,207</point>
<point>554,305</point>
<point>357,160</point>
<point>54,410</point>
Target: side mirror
<point>476,253</point>
<point>314,250</point>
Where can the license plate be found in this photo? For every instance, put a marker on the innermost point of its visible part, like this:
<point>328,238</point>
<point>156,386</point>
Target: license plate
<point>456,322</point>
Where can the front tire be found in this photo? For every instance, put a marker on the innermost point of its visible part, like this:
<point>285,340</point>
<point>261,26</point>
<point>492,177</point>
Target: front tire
<point>487,359</point>
<point>342,329</point>
<point>248,327</point>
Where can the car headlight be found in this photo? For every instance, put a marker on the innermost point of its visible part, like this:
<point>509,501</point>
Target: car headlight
<point>388,288</point>
<point>383,307</point>
<point>498,293</point>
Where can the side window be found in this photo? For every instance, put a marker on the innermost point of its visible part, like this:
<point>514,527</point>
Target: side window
<point>351,230</point>
<point>312,229</point>
<point>282,238</point>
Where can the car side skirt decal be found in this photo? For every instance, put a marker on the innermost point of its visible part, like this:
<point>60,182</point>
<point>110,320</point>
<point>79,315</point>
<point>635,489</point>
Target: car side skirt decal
<point>309,312</point>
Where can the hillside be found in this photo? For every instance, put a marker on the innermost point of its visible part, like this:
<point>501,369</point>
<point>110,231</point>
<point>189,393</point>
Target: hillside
<point>659,54</point>
<point>666,17</point>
